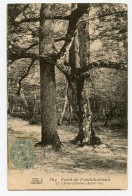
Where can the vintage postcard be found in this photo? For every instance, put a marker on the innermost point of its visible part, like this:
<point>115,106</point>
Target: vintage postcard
<point>67,96</point>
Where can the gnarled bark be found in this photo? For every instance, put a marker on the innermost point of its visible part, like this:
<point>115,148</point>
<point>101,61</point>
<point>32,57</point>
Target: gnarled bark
<point>79,59</point>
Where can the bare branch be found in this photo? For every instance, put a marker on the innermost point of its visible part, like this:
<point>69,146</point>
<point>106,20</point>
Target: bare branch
<point>97,37</point>
<point>31,46</point>
<point>25,75</point>
<point>27,20</point>
<point>107,14</point>
<point>57,17</point>
<point>12,61</point>
<point>19,12</point>
<point>85,71</point>
<point>111,65</point>
<point>60,39</point>
<point>73,20</point>
<point>38,19</point>
<point>19,53</point>
<point>112,13</point>
<point>63,68</point>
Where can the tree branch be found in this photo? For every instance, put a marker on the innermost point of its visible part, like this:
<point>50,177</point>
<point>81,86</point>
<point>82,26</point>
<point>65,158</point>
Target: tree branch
<point>25,75</point>
<point>85,71</point>
<point>27,20</point>
<point>111,13</point>
<point>57,17</point>
<point>38,19</point>
<point>111,65</point>
<point>60,39</point>
<point>97,37</point>
<point>15,53</point>
<point>63,69</point>
<point>31,46</point>
<point>20,11</point>
<point>107,14</point>
<point>73,20</point>
<point>12,61</point>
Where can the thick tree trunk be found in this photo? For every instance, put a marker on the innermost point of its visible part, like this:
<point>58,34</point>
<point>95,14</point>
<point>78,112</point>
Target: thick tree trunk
<point>49,134</point>
<point>48,105</point>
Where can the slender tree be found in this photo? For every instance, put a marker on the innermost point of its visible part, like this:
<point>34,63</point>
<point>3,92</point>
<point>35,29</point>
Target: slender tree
<point>65,105</point>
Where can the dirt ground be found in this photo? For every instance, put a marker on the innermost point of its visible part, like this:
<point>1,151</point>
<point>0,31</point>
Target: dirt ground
<point>108,158</point>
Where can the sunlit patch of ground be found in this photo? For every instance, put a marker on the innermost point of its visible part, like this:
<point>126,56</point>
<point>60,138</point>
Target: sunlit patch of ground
<point>107,158</point>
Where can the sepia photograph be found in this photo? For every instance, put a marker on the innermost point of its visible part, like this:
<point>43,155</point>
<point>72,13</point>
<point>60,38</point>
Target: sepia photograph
<point>67,96</point>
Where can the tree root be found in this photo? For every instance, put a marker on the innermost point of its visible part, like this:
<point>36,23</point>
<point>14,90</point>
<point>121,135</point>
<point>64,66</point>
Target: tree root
<point>39,144</point>
<point>56,145</point>
<point>78,138</point>
<point>59,123</point>
<point>93,140</point>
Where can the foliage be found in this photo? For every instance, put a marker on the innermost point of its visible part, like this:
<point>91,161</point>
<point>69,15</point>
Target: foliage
<point>108,42</point>
<point>108,34</point>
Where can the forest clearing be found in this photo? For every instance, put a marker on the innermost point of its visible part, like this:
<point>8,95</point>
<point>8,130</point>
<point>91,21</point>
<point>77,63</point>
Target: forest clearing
<point>110,157</point>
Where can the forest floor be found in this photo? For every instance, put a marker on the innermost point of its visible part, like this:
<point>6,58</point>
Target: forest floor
<point>109,157</point>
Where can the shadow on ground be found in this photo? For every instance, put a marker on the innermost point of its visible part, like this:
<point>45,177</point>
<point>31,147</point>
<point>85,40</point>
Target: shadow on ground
<point>108,158</point>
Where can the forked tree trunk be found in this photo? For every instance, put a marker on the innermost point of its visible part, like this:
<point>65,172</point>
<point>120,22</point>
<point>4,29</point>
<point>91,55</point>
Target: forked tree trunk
<point>49,134</point>
<point>83,114</point>
<point>86,134</point>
